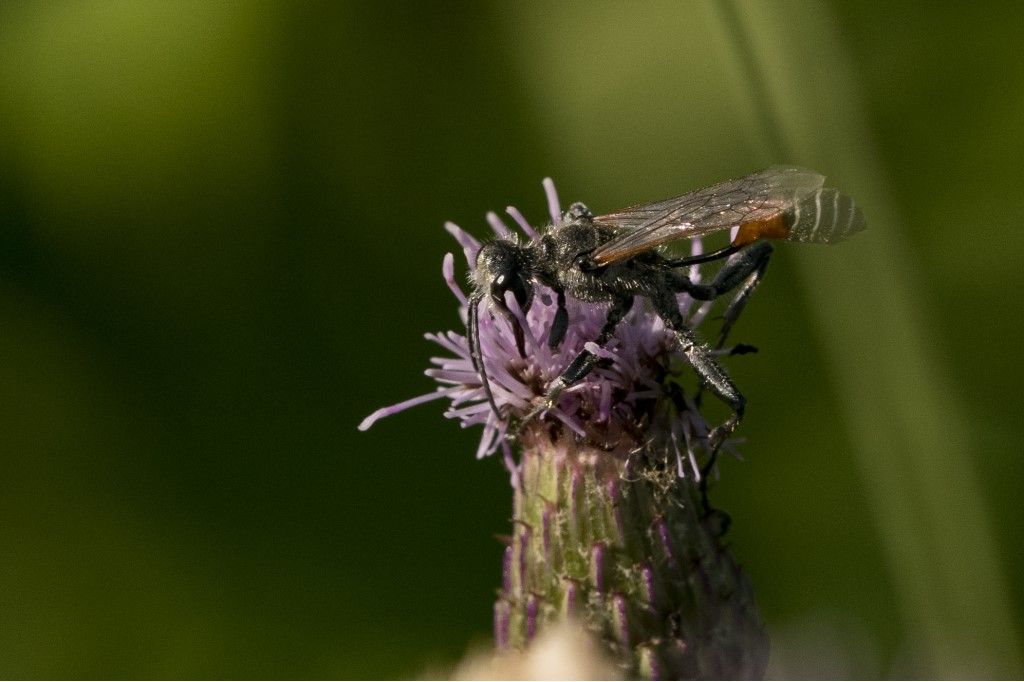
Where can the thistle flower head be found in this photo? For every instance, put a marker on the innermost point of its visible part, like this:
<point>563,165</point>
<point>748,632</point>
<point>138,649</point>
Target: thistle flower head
<point>614,542</point>
<point>630,399</point>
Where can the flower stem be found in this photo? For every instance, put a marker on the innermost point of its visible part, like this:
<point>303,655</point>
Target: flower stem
<point>625,548</point>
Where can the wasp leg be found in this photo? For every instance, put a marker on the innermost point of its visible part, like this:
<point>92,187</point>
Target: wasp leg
<point>749,267</point>
<point>560,324</point>
<point>713,375</point>
<point>760,255</point>
<point>583,363</point>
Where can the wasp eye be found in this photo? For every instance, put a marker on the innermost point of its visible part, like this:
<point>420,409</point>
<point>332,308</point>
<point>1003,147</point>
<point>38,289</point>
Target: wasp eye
<point>522,290</point>
<point>515,282</point>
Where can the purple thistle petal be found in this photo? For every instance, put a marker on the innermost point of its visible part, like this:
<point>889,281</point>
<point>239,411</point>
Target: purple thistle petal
<point>601,352</point>
<point>511,465</point>
<point>554,207</point>
<point>604,410</point>
<point>492,434</point>
<point>465,239</point>
<point>404,405</point>
<point>571,422</point>
<point>696,249</point>
<point>701,314</point>
<point>470,246</point>
<point>500,229</point>
<point>448,272</point>
<point>467,411</point>
<point>451,342</point>
<point>449,376</point>
<point>524,225</point>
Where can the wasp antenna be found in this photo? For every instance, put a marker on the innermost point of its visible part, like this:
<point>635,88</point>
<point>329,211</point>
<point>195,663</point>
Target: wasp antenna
<point>476,354</point>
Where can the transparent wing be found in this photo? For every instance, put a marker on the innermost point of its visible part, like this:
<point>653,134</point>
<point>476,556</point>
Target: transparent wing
<point>794,196</point>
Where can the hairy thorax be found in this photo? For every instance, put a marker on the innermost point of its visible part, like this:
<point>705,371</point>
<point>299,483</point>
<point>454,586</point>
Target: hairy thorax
<point>560,252</point>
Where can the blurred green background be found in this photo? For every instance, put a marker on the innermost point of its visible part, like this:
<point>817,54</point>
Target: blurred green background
<point>220,243</point>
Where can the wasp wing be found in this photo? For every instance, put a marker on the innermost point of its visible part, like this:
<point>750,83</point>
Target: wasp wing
<point>808,211</point>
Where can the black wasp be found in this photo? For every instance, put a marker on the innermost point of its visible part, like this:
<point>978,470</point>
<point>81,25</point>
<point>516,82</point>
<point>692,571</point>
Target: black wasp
<point>619,256</point>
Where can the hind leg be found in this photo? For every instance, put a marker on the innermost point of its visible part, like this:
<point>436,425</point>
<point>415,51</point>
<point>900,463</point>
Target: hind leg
<point>711,373</point>
<point>745,271</point>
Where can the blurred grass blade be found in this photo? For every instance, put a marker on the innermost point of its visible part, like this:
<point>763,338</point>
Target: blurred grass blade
<point>912,446</point>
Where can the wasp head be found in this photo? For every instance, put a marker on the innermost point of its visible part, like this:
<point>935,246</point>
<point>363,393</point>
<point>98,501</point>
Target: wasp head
<point>503,266</point>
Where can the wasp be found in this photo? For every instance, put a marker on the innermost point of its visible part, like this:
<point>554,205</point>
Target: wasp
<point>620,256</point>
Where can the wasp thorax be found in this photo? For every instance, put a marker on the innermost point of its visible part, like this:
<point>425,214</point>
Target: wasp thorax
<point>503,266</point>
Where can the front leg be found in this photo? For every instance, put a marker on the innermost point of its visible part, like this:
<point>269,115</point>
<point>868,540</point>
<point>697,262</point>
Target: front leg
<point>560,325</point>
<point>584,362</point>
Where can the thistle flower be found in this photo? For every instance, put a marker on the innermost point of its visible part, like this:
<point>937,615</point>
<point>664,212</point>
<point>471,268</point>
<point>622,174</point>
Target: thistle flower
<point>606,407</point>
<point>609,528</point>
